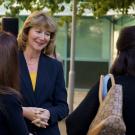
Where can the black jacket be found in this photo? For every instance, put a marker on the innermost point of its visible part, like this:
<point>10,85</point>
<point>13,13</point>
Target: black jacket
<point>11,118</point>
<point>79,120</point>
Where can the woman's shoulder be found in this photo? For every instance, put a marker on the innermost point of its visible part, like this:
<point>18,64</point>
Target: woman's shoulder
<point>9,99</point>
<point>125,78</point>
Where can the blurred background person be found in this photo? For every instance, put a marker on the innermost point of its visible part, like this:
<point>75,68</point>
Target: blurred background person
<point>54,54</point>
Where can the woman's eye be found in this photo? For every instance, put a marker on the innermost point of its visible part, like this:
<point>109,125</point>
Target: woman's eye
<point>47,33</point>
<point>38,31</point>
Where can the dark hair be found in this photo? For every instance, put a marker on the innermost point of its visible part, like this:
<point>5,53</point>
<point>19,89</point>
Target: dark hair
<point>8,63</point>
<point>125,60</point>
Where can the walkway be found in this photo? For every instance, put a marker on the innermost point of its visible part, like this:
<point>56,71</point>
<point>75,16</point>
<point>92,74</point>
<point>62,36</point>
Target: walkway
<point>77,99</point>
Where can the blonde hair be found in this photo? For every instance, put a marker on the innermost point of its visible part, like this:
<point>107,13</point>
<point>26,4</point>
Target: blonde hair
<point>38,19</point>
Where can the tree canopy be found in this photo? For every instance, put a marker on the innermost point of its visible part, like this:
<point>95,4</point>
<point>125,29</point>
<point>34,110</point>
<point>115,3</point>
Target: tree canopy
<point>13,7</point>
<point>101,7</point>
<point>97,7</point>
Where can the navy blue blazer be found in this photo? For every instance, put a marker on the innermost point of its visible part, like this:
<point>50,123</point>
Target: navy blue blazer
<point>11,118</point>
<point>50,92</point>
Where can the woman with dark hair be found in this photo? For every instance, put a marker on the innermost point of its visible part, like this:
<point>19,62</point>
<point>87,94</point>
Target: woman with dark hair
<point>125,60</point>
<point>42,79</point>
<point>123,70</point>
<point>11,118</point>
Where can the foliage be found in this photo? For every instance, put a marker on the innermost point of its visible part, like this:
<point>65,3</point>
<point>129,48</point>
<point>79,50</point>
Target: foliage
<point>98,7</point>
<point>101,7</point>
<point>14,7</point>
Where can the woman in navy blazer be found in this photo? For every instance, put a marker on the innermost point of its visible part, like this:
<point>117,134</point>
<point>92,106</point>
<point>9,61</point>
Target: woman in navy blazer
<point>42,80</point>
<point>11,116</point>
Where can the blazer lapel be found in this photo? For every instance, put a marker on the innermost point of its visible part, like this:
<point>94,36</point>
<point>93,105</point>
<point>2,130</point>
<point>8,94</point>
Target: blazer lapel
<point>42,82</point>
<point>25,78</point>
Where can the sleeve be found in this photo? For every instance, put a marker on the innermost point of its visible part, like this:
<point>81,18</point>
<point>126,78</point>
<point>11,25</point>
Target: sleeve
<point>14,117</point>
<point>60,109</point>
<point>77,123</point>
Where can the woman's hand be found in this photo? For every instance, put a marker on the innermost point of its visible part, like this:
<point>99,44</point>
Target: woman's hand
<point>31,112</point>
<point>42,119</point>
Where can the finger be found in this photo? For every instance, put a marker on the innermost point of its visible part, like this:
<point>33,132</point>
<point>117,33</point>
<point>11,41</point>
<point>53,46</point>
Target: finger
<point>39,121</point>
<point>44,124</point>
<point>43,116</point>
<point>38,124</point>
<point>44,119</point>
<point>39,110</point>
<point>41,124</point>
<point>36,121</point>
<point>46,113</point>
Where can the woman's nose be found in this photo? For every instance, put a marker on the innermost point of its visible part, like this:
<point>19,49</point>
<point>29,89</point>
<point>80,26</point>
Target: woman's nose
<point>42,36</point>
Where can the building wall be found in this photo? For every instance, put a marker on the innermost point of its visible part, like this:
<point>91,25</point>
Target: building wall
<point>95,47</point>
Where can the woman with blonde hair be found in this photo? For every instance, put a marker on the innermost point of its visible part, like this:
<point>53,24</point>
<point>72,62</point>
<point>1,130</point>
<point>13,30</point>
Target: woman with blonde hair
<point>42,80</point>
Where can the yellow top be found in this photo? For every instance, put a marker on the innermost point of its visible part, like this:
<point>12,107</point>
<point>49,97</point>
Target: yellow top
<point>33,76</point>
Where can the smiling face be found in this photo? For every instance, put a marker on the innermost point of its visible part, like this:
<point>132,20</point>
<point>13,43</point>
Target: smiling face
<point>38,38</point>
<point>35,33</point>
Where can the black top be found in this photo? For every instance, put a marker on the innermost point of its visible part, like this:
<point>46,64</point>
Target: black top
<point>79,120</point>
<point>11,118</point>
